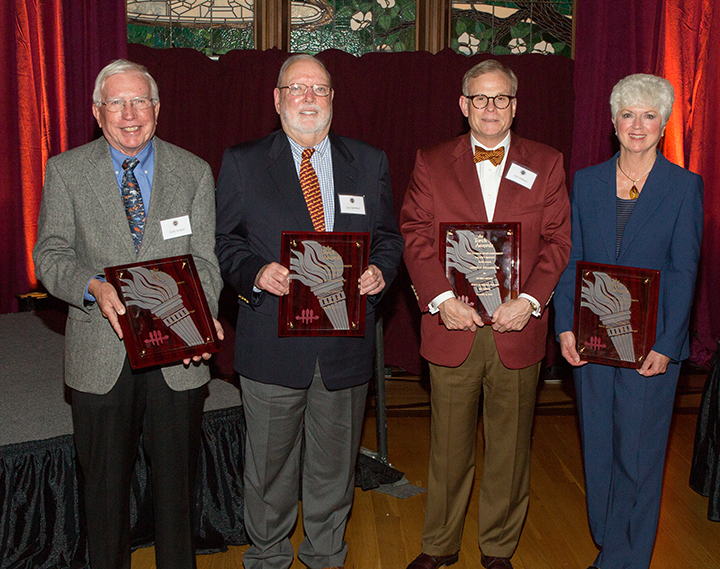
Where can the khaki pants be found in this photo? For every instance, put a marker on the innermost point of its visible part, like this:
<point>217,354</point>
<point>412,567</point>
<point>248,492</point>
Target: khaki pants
<point>508,411</point>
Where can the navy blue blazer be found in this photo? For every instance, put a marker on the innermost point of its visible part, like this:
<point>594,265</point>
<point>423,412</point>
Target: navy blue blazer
<point>258,197</point>
<point>664,232</point>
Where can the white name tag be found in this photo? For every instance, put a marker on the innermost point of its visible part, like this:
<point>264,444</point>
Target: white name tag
<point>352,204</point>
<point>521,175</point>
<point>176,227</point>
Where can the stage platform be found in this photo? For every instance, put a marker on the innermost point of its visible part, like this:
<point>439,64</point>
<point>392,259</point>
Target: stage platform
<point>40,522</point>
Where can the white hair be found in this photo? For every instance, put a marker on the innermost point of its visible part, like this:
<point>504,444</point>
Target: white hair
<point>122,66</point>
<point>300,57</point>
<point>642,89</point>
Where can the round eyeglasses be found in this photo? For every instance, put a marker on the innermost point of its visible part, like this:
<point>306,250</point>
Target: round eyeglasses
<point>481,101</point>
<point>138,103</point>
<point>299,89</point>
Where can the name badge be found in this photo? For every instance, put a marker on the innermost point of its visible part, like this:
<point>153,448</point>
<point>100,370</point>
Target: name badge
<point>176,227</point>
<point>521,175</point>
<point>352,204</point>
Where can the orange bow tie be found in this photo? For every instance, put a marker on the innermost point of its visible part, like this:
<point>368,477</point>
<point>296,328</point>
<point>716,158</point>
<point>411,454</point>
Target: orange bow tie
<point>495,156</point>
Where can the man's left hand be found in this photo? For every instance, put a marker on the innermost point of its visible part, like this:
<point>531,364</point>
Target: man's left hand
<point>512,316</point>
<point>372,281</point>
<point>206,356</point>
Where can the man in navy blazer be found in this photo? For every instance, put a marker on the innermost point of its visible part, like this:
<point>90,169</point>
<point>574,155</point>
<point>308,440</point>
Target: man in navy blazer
<point>297,389</point>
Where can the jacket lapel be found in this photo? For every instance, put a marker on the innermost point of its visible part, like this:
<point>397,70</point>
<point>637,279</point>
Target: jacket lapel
<point>508,191</point>
<point>166,184</point>
<point>605,199</point>
<point>100,176</point>
<point>345,181</point>
<point>284,175</point>
<point>653,194</point>
<point>467,177</point>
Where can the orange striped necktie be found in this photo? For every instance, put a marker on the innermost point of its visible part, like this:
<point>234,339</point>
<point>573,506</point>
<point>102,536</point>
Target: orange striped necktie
<point>311,190</point>
<point>495,156</point>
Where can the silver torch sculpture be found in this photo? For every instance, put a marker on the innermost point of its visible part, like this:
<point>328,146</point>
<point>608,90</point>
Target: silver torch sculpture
<point>158,292</point>
<point>321,268</point>
<point>474,256</point>
<point>610,300</point>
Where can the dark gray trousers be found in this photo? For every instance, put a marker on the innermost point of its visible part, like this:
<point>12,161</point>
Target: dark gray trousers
<point>278,418</point>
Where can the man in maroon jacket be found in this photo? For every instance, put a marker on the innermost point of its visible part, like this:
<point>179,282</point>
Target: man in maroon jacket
<point>487,175</point>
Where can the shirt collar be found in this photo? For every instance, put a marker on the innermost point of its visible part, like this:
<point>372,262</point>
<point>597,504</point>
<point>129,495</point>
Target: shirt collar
<point>505,143</point>
<point>320,148</point>
<point>145,157</point>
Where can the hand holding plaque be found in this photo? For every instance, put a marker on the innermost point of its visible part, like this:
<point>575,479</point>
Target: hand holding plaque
<point>324,298</point>
<point>482,263</point>
<point>615,313</point>
<point>167,317</point>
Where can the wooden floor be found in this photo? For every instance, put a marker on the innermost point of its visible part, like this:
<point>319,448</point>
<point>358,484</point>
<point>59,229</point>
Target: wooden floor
<point>384,532</point>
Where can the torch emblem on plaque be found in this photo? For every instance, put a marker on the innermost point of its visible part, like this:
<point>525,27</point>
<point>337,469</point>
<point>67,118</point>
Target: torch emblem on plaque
<point>158,292</point>
<point>475,257</point>
<point>610,300</point>
<point>321,268</point>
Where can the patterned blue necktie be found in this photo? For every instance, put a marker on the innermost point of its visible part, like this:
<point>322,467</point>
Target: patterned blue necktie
<point>132,199</point>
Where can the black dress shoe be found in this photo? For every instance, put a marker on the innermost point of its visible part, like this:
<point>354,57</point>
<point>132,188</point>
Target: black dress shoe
<point>425,561</point>
<point>495,562</point>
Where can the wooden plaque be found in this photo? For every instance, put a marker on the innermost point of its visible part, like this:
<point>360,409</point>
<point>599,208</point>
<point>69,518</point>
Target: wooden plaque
<point>615,313</point>
<point>482,263</point>
<point>324,297</point>
<point>167,318</point>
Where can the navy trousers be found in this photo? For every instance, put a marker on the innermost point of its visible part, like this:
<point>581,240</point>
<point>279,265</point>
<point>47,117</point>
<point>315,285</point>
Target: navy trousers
<point>624,423</point>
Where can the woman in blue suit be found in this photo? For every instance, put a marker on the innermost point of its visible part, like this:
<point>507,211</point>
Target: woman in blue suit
<point>635,210</point>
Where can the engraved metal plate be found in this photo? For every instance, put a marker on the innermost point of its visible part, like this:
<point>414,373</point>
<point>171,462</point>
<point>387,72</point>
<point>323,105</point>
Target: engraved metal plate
<point>167,318</point>
<point>482,263</point>
<point>324,297</point>
<point>615,313</point>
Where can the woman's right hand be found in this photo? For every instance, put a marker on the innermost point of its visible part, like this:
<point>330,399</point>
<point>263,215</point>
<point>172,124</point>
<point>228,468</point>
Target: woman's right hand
<point>567,348</point>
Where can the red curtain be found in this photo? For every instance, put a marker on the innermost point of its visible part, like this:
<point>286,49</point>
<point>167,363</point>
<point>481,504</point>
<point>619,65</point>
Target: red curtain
<point>612,40</point>
<point>51,51</point>
<point>690,59</point>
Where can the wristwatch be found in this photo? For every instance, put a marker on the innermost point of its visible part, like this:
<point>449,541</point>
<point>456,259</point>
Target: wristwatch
<point>534,305</point>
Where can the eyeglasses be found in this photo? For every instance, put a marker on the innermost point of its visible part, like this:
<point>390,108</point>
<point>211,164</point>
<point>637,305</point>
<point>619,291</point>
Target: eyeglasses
<point>299,89</point>
<point>138,103</point>
<point>481,101</point>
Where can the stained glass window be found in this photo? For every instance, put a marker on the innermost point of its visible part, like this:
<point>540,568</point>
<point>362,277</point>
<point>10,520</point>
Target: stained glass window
<point>217,26</point>
<point>354,26</point>
<point>211,26</point>
<point>502,27</point>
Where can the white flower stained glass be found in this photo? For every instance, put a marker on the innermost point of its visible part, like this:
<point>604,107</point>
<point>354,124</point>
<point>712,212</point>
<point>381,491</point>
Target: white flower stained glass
<point>505,27</point>
<point>468,44</point>
<point>355,26</point>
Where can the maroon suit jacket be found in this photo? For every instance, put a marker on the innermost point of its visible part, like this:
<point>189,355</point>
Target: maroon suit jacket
<point>444,188</point>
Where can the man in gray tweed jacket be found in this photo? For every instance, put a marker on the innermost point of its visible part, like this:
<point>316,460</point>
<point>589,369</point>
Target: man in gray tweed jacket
<point>83,227</point>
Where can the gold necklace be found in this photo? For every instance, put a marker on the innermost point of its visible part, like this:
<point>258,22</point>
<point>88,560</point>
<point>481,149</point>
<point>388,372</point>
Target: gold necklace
<point>634,192</point>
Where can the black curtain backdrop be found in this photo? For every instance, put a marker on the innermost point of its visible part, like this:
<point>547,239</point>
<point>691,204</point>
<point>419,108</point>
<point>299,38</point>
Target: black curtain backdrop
<point>398,102</point>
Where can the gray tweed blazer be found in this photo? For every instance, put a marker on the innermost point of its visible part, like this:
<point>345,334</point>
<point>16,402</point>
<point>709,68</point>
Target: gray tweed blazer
<point>82,228</point>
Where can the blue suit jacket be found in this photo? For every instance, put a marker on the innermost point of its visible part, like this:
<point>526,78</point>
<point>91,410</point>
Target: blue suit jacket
<point>664,233</point>
<point>259,197</point>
